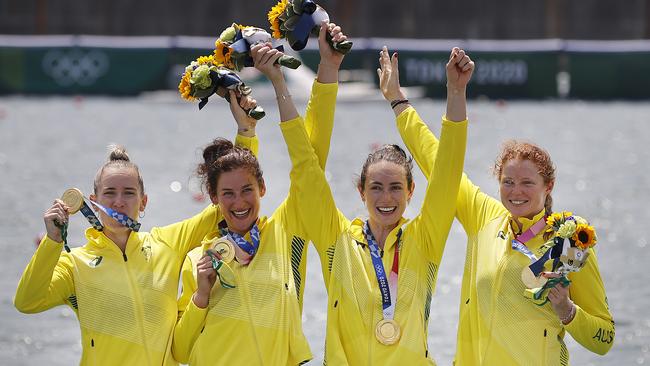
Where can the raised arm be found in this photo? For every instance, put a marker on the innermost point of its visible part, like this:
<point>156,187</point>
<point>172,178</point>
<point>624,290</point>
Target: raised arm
<point>309,207</point>
<point>319,116</point>
<point>47,280</point>
<point>473,207</point>
<point>439,204</point>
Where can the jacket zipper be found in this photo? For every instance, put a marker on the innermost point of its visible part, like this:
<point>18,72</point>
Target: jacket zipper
<point>544,347</point>
<point>138,307</point>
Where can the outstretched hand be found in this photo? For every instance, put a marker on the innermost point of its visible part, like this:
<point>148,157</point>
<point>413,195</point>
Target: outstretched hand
<point>459,69</point>
<point>388,73</point>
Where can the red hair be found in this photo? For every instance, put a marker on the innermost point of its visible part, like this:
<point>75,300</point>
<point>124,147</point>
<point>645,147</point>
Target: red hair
<point>513,149</point>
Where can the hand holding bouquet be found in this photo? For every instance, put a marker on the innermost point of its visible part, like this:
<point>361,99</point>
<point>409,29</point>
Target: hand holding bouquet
<point>232,48</point>
<point>567,248</point>
<point>205,77</point>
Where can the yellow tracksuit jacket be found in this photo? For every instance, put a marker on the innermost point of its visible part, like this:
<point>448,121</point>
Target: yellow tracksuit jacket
<point>125,303</point>
<point>354,304</point>
<point>498,325</point>
<point>259,322</point>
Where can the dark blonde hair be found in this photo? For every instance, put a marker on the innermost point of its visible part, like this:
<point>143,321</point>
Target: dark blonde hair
<point>513,149</point>
<point>222,156</point>
<point>391,153</point>
<point>117,158</point>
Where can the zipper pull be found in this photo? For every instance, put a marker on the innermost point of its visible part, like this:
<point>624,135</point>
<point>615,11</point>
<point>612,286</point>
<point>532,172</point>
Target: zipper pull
<point>124,256</point>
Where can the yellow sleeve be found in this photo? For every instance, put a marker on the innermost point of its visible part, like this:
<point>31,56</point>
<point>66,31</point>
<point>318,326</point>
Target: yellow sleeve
<point>439,204</point>
<point>250,143</point>
<point>593,325</point>
<point>319,118</point>
<point>310,201</point>
<point>186,235</point>
<point>191,319</point>
<point>47,280</point>
<point>473,207</point>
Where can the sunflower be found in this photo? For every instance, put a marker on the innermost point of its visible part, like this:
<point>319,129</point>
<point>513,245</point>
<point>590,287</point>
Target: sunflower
<point>584,237</point>
<point>273,16</point>
<point>185,88</point>
<point>222,54</point>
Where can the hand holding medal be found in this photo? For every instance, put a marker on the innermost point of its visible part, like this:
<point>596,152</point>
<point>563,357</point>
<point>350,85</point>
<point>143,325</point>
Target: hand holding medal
<point>56,217</point>
<point>220,251</point>
<point>295,20</point>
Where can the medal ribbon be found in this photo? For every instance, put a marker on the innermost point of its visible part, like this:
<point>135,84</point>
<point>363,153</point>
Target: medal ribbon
<point>117,216</point>
<point>519,244</point>
<point>388,287</point>
<point>245,245</point>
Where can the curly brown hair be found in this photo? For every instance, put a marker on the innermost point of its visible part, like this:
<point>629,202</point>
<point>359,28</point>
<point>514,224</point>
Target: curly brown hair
<point>223,156</point>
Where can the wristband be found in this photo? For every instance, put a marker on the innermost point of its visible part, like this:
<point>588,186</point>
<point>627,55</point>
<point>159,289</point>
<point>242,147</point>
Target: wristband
<point>397,102</point>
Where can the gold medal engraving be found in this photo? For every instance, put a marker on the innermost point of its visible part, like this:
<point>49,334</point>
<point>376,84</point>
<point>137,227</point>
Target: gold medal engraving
<point>74,199</point>
<point>225,249</point>
<point>387,332</point>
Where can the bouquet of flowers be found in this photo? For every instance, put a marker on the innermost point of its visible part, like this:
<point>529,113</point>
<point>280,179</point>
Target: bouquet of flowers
<point>205,77</point>
<point>571,238</point>
<point>232,48</point>
<point>296,19</point>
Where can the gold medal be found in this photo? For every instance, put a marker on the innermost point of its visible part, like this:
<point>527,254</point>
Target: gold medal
<point>74,199</point>
<point>221,246</point>
<point>225,249</point>
<point>530,280</point>
<point>387,332</point>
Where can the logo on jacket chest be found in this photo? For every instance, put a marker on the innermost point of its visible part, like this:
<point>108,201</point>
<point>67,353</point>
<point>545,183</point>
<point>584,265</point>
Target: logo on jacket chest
<point>95,261</point>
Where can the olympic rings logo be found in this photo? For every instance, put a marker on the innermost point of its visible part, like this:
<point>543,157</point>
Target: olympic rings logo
<point>75,66</point>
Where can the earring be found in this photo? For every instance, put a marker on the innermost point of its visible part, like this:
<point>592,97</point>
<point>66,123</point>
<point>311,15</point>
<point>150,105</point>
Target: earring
<point>141,214</point>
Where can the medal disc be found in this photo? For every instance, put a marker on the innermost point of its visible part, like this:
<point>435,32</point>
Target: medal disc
<point>225,249</point>
<point>387,332</point>
<point>530,280</point>
<point>74,199</point>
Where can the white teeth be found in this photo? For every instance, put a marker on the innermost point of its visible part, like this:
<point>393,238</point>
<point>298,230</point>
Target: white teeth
<point>241,213</point>
<point>386,209</point>
<point>517,202</point>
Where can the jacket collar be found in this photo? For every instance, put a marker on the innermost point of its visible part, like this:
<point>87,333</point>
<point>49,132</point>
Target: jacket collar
<point>526,223</point>
<point>356,232</point>
<point>98,240</point>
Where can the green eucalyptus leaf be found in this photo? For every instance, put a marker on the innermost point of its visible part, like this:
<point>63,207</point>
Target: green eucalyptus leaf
<point>291,23</point>
<point>297,6</point>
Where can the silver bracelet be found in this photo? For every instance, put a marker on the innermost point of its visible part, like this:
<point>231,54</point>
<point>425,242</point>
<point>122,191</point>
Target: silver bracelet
<point>572,313</point>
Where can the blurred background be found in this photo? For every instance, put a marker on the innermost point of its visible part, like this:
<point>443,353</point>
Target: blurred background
<point>586,49</point>
<point>572,76</point>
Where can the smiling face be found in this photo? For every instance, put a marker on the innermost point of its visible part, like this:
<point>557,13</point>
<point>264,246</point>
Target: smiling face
<point>522,189</point>
<point>386,193</point>
<point>119,188</point>
<point>238,195</point>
